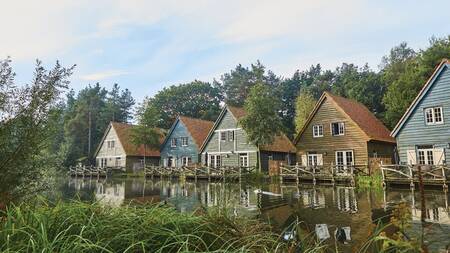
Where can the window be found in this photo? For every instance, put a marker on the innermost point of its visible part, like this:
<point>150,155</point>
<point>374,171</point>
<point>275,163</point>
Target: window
<point>186,160</point>
<point>318,131</point>
<point>215,161</point>
<point>312,159</point>
<point>118,161</point>
<point>230,135</point>
<point>434,116</point>
<point>243,159</point>
<point>337,128</point>
<point>110,144</point>
<point>223,136</point>
<point>173,142</point>
<point>184,141</point>
<point>425,156</point>
<point>343,160</point>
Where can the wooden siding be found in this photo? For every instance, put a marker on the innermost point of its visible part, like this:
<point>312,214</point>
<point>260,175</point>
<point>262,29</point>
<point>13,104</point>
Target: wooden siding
<point>111,153</point>
<point>416,132</point>
<point>353,139</point>
<point>276,156</point>
<point>239,144</point>
<point>191,150</point>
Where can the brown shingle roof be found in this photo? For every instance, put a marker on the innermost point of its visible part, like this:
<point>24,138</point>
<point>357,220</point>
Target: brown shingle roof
<point>364,118</point>
<point>124,134</point>
<point>281,143</point>
<point>198,128</point>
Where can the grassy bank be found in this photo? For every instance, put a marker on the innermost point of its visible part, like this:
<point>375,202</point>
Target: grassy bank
<point>82,227</point>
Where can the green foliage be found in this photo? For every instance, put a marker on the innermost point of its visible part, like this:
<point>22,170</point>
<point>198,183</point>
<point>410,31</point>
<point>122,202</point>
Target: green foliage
<point>81,227</point>
<point>196,99</point>
<point>29,119</point>
<point>91,111</point>
<point>303,107</point>
<point>261,122</point>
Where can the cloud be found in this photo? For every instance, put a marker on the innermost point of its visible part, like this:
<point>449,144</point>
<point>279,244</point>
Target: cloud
<point>103,75</point>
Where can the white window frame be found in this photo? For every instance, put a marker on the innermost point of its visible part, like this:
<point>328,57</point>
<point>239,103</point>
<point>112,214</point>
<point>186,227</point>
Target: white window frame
<point>425,152</point>
<point>432,111</point>
<point>344,158</point>
<point>243,160</point>
<point>230,134</point>
<point>184,141</point>
<point>317,131</point>
<point>314,159</point>
<point>173,142</point>
<point>216,162</point>
<point>186,160</point>
<point>110,144</point>
<point>341,126</point>
<point>223,136</point>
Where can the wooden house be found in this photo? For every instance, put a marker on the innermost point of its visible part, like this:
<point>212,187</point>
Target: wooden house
<point>423,133</point>
<point>182,144</point>
<point>227,144</point>
<point>343,132</point>
<point>116,149</point>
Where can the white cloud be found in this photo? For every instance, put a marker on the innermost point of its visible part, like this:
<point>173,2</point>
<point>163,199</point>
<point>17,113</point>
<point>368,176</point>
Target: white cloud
<point>103,75</point>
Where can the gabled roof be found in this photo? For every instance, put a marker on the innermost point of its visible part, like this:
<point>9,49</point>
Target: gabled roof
<point>197,128</point>
<point>444,63</point>
<point>123,131</point>
<point>364,119</point>
<point>281,143</point>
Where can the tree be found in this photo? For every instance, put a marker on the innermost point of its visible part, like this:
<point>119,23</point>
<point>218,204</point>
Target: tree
<point>236,85</point>
<point>303,107</point>
<point>146,132</point>
<point>29,116</point>
<point>196,99</point>
<point>262,121</point>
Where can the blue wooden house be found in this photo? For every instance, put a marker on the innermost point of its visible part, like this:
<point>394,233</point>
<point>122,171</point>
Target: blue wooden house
<point>182,144</point>
<point>423,133</point>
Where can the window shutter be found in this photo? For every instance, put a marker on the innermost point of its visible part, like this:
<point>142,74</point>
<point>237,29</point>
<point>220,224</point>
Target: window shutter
<point>304,160</point>
<point>319,160</point>
<point>438,156</point>
<point>411,156</point>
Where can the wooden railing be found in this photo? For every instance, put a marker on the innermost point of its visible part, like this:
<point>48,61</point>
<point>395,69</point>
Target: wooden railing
<point>409,174</point>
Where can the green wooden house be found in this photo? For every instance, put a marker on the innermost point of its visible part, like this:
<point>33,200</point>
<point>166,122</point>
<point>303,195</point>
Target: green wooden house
<point>227,144</point>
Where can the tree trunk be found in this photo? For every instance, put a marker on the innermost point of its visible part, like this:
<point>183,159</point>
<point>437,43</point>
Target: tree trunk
<point>259,159</point>
<point>145,151</point>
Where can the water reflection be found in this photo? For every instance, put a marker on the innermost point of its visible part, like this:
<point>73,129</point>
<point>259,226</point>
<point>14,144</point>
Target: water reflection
<point>336,206</point>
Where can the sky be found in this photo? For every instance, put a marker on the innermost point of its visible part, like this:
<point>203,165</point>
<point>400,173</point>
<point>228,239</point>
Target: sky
<point>147,45</point>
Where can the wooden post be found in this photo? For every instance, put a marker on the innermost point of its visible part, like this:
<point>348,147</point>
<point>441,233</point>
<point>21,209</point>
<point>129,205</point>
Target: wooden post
<point>314,174</point>
<point>444,179</point>
<point>383,178</point>
<point>411,184</point>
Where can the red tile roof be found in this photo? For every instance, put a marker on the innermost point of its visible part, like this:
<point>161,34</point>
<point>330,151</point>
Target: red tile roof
<point>281,143</point>
<point>364,118</point>
<point>198,128</point>
<point>124,134</point>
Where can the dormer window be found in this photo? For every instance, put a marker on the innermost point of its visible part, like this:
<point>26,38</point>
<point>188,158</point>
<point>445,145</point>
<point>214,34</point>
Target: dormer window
<point>337,128</point>
<point>434,116</point>
<point>184,141</point>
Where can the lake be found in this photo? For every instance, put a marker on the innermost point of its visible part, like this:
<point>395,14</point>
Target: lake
<point>279,204</point>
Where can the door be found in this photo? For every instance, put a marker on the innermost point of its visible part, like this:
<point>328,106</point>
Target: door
<point>170,162</point>
<point>344,160</point>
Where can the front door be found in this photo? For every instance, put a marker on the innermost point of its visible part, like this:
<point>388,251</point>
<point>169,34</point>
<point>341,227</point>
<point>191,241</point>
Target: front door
<point>170,162</point>
<point>344,159</point>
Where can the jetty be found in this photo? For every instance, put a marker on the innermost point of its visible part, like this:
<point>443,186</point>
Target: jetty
<point>200,173</point>
<point>326,174</point>
<point>87,171</point>
<point>432,175</point>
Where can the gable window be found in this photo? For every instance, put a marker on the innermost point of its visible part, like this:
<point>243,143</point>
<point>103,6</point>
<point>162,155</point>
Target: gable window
<point>184,141</point>
<point>173,142</point>
<point>186,160</point>
<point>110,144</point>
<point>434,116</point>
<point>230,135</point>
<point>223,136</point>
<point>317,131</point>
<point>337,128</point>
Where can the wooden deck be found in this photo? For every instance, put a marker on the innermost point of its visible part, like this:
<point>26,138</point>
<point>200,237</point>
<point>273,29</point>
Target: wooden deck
<point>438,175</point>
<point>199,173</point>
<point>87,171</point>
<point>329,174</point>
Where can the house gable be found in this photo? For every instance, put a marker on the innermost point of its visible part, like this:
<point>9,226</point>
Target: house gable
<point>325,113</point>
<point>178,131</point>
<point>413,131</point>
<point>118,150</point>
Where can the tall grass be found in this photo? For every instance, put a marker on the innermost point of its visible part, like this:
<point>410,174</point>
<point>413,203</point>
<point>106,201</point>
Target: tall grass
<point>82,227</point>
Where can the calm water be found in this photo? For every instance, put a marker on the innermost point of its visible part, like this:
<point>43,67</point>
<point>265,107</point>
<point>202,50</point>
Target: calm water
<point>280,205</point>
